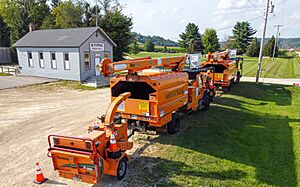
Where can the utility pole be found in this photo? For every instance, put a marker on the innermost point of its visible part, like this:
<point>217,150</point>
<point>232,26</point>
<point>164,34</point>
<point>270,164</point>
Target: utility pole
<point>96,9</point>
<point>262,41</point>
<point>275,45</point>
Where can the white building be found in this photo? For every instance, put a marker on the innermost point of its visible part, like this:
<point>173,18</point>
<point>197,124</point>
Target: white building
<point>70,54</point>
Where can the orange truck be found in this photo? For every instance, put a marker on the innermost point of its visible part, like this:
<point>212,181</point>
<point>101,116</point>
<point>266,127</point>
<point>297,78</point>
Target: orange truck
<point>141,98</point>
<point>227,68</point>
<point>158,96</point>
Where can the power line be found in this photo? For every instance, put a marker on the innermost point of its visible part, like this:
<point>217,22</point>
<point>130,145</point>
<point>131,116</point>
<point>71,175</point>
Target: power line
<point>255,6</point>
<point>233,25</point>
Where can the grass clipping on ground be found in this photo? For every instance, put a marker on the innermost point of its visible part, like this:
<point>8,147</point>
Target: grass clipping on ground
<point>249,137</point>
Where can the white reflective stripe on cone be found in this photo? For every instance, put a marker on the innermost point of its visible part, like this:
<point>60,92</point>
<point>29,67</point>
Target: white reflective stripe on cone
<point>38,172</point>
<point>113,141</point>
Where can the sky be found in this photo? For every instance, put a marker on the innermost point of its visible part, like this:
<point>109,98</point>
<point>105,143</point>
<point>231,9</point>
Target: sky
<point>168,18</point>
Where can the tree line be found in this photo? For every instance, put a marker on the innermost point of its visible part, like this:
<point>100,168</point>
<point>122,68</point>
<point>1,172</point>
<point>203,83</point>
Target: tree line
<point>16,15</point>
<point>192,41</point>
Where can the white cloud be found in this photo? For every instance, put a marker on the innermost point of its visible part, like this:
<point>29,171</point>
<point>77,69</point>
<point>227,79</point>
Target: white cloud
<point>168,18</point>
<point>175,10</point>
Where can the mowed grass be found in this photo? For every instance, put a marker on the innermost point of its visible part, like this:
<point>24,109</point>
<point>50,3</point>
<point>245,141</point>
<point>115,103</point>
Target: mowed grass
<point>285,66</point>
<point>4,74</point>
<point>249,137</point>
<point>154,54</point>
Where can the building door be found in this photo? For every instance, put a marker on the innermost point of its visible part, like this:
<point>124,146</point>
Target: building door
<point>97,63</point>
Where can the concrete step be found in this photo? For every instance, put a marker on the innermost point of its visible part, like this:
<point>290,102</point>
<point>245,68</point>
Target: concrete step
<point>96,81</point>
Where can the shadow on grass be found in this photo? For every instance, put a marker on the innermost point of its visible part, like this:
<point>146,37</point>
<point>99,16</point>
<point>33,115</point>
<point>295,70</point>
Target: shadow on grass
<point>234,133</point>
<point>144,171</point>
<point>274,93</point>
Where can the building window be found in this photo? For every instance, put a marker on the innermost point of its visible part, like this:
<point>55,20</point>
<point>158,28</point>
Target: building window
<point>30,62</point>
<point>87,63</point>
<point>53,60</point>
<point>41,60</point>
<point>66,61</point>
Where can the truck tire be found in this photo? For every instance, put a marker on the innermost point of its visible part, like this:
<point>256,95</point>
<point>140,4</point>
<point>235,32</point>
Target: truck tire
<point>206,103</point>
<point>174,125</point>
<point>122,168</point>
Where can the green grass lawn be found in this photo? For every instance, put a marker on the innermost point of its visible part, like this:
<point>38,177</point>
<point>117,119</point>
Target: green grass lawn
<point>285,66</point>
<point>4,74</point>
<point>249,137</point>
<point>154,55</point>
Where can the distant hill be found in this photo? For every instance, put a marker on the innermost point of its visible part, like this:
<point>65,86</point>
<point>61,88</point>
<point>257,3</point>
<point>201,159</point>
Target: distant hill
<point>157,40</point>
<point>285,43</point>
<point>289,43</point>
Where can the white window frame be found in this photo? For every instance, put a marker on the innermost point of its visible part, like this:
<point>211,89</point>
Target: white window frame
<point>30,60</point>
<point>53,61</point>
<point>66,61</point>
<point>89,60</point>
<point>41,60</point>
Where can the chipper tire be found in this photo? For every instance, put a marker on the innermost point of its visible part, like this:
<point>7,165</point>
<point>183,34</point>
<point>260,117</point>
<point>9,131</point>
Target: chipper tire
<point>174,125</point>
<point>122,168</point>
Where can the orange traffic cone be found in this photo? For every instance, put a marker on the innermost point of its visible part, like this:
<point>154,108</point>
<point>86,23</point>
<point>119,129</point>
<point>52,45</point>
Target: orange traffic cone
<point>113,143</point>
<point>39,177</point>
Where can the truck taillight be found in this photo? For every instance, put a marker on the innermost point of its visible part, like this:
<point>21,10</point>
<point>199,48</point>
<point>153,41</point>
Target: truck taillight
<point>56,141</point>
<point>87,145</point>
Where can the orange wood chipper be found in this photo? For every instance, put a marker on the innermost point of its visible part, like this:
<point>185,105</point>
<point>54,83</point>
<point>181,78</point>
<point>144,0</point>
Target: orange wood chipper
<point>158,95</point>
<point>228,69</point>
<point>141,99</point>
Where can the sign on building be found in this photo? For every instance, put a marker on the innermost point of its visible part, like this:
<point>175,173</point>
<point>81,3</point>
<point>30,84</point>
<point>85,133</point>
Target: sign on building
<point>97,46</point>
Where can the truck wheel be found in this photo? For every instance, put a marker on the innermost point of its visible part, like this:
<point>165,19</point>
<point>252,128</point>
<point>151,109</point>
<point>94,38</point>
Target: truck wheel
<point>122,168</point>
<point>174,125</point>
<point>206,104</point>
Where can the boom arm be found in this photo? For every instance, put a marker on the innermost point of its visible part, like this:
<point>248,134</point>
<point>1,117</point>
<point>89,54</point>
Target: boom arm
<point>108,67</point>
<point>224,55</point>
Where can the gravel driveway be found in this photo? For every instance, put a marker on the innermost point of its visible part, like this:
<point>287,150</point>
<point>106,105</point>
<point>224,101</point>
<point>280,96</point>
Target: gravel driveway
<point>19,81</point>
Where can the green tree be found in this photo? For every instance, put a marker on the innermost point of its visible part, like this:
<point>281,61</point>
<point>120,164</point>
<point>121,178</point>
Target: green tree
<point>55,3</point>
<point>269,47</point>
<point>149,46</point>
<point>18,14</point>
<point>4,34</point>
<point>134,47</point>
<point>118,27</point>
<point>242,33</point>
<point>210,41</point>
<point>38,11</point>
<point>49,22</point>
<point>67,15</point>
<point>253,49</point>
<point>188,38</point>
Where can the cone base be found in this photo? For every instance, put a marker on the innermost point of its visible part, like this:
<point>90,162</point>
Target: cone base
<point>40,182</point>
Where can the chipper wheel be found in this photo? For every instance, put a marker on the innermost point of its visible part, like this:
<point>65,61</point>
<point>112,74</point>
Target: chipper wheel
<point>174,125</point>
<point>122,168</point>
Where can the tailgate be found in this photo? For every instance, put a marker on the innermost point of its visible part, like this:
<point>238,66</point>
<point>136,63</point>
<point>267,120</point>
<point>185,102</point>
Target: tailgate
<point>218,77</point>
<point>134,106</point>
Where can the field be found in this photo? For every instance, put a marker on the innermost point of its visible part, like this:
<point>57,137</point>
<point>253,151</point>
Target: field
<point>4,74</point>
<point>285,66</point>
<point>249,137</point>
<point>154,55</point>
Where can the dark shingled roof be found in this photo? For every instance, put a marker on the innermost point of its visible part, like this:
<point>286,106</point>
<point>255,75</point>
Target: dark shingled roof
<point>73,37</point>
